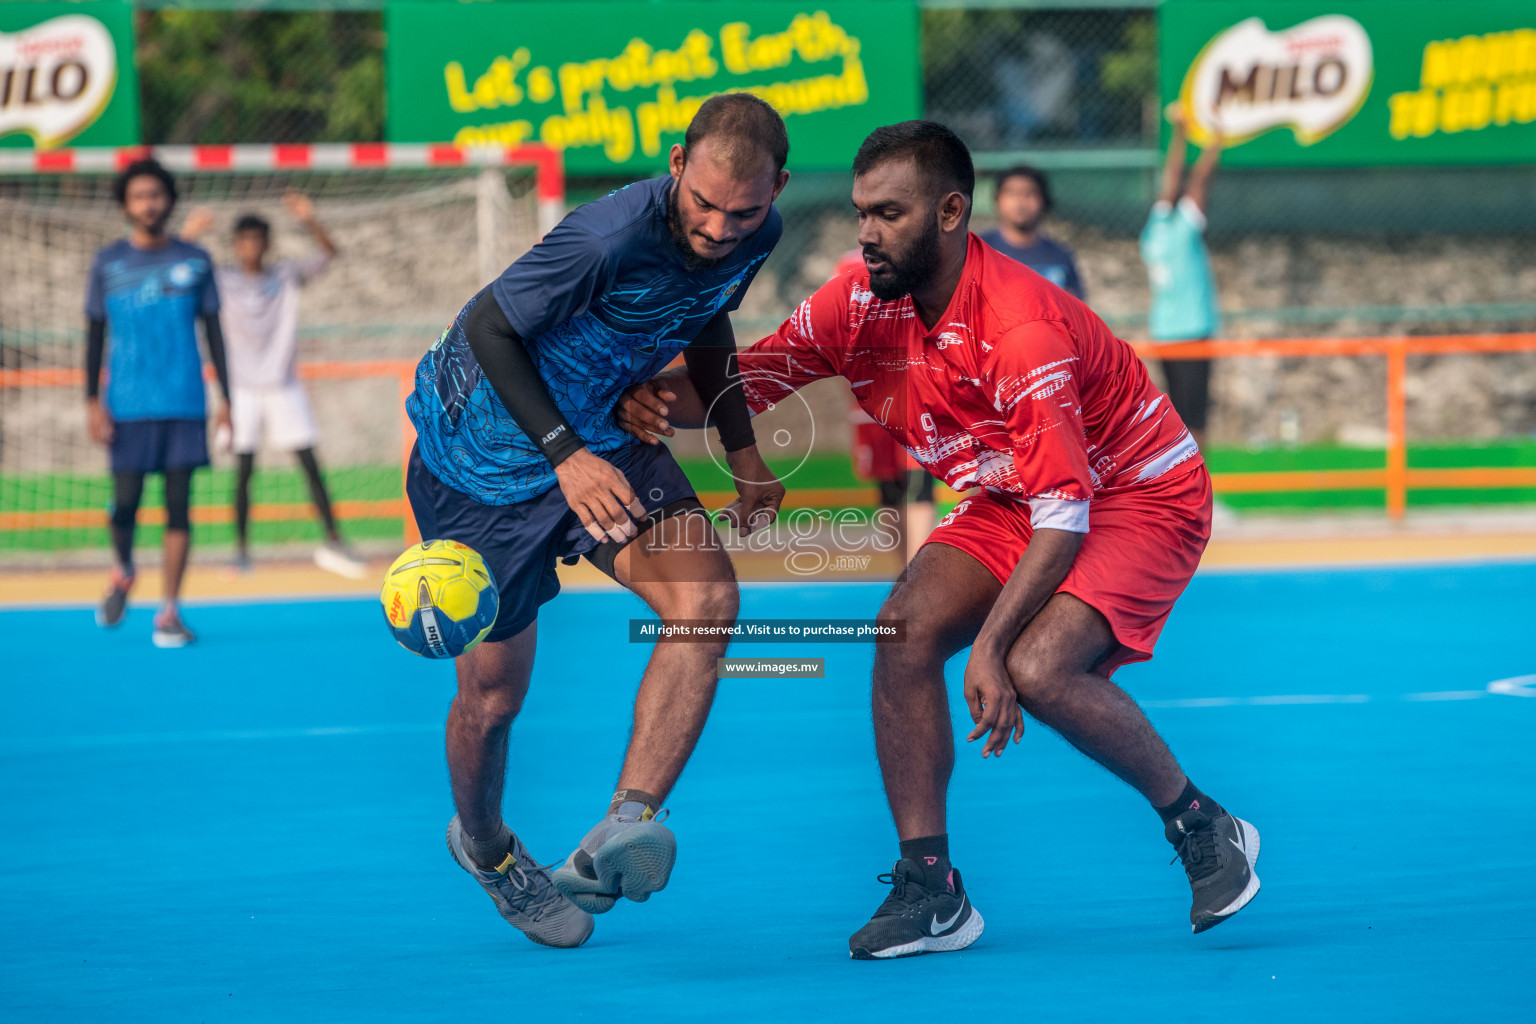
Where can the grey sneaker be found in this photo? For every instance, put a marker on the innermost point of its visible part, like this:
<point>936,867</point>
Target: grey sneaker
<point>337,558</point>
<point>115,605</point>
<point>170,631</point>
<point>240,565</point>
<point>624,855</point>
<point>1220,855</point>
<point>524,895</point>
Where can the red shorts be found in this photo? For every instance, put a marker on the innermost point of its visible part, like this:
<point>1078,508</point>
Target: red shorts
<point>877,455</point>
<point>1141,549</point>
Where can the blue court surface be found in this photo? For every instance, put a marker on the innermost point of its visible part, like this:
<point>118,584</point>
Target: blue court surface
<point>253,829</point>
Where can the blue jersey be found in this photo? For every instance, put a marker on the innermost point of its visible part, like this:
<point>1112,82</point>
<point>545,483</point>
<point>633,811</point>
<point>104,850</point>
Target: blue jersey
<point>603,302</point>
<point>1047,257</point>
<point>1179,270</point>
<point>151,299</point>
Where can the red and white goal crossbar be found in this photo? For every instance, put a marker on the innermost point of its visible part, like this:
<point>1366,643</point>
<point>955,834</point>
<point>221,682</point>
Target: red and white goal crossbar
<point>548,164</point>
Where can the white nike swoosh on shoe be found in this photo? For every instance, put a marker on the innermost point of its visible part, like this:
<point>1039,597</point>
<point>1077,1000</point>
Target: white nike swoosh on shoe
<point>1237,844</point>
<point>935,927</point>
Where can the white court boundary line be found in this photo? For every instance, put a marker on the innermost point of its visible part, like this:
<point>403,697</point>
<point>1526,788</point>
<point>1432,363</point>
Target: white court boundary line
<point>1515,686</point>
<point>42,744</point>
<point>598,587</point>
<point>1393,565</point>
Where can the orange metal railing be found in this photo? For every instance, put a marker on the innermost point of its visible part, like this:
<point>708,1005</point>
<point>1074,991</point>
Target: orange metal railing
<point>402,370</point>
<point>1396,478</point>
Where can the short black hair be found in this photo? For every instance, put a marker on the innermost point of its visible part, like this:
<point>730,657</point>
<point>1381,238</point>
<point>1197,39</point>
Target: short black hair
<point>748,128</point>
<point>940,155</point>
<point>251,222</point>
<point>145,167</point>
<point>1035,175</point>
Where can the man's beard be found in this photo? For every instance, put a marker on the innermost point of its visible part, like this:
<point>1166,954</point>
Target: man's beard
<point>153,227</point>
<point>691,259</point>
<point>913,270</point>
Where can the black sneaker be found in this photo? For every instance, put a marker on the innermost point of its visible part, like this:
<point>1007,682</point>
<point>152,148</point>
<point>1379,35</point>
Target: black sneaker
<point>919,916</point>
<point>1219,856</point>
<point>112,608</point>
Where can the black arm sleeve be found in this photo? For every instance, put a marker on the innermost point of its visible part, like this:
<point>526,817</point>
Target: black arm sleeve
<point>95,347</point>
<point>711,360</point>
<point>516,381</point>
<point>214,335</point>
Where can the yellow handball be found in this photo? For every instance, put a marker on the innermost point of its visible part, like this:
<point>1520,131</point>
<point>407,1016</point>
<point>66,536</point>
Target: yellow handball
<point>439,599</point>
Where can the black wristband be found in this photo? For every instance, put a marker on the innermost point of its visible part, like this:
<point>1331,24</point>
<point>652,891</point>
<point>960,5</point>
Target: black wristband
<point>559,444</point>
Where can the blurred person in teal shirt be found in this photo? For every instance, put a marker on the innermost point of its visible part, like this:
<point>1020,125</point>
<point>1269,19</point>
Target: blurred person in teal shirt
<point>1179,268</point>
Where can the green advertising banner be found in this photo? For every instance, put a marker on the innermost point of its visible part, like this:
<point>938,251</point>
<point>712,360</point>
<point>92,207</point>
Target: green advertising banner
<point>614,84</point>
<point>1359,82</point>
<point>67,76</point>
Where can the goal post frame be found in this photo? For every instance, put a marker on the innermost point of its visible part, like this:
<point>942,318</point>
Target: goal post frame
<point>548,164</point>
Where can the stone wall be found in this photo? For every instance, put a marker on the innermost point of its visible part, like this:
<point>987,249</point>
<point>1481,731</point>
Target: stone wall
<point>403,275</point>
<point>1283,287</point>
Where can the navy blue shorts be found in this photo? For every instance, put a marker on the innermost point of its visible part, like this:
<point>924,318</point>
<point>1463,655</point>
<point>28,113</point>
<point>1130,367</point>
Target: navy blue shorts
<point>520,542</point>
<point>154,446</point>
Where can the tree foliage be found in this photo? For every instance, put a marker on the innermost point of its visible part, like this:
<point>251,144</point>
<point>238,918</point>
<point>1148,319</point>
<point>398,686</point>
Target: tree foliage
<point>226,76</point>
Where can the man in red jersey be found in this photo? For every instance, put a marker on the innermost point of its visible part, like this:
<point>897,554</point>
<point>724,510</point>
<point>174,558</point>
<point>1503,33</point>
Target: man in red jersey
<point>1093,510</point>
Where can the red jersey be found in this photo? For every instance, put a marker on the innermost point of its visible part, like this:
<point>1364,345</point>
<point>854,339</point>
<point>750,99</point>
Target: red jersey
<point>1019,388</point>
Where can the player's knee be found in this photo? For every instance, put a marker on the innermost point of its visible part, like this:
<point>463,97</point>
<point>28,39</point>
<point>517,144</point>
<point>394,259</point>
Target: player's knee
<point>1037,677</point>
<point>178,500</point>
<point>489,707</point>
<point>123,516</point>
<point>916,623</point>
<point>702,599</point>
<point>899,609</point>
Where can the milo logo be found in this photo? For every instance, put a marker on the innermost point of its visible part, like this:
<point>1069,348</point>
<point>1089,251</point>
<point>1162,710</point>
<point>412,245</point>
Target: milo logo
<point>1311,78</point>
<point>56,78</point>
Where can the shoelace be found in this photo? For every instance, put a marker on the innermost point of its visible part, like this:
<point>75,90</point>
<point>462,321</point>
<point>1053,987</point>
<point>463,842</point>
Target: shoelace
<point>899,900</point>
<point>526,895</point>
<point>1198,851</point>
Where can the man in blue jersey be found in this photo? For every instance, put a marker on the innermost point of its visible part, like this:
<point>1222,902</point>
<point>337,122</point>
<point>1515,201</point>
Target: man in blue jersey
<point>146,294</point>
<point>1179,271</point>
<point>519,456</point>
<point>1023,198</point>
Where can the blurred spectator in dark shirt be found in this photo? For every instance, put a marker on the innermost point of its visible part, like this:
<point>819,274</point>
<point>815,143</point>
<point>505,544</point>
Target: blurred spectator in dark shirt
<point>1023,199</point>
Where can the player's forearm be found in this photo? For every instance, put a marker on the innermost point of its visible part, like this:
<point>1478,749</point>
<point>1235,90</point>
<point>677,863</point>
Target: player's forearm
<point>1045,564</point>
<point>1173,166</point>
<point>1200,177</point>
<point>711,363</point>
<point>505,361</point>
<point>213,332</point>
<point>321,237</point>
<point>95,348</point>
